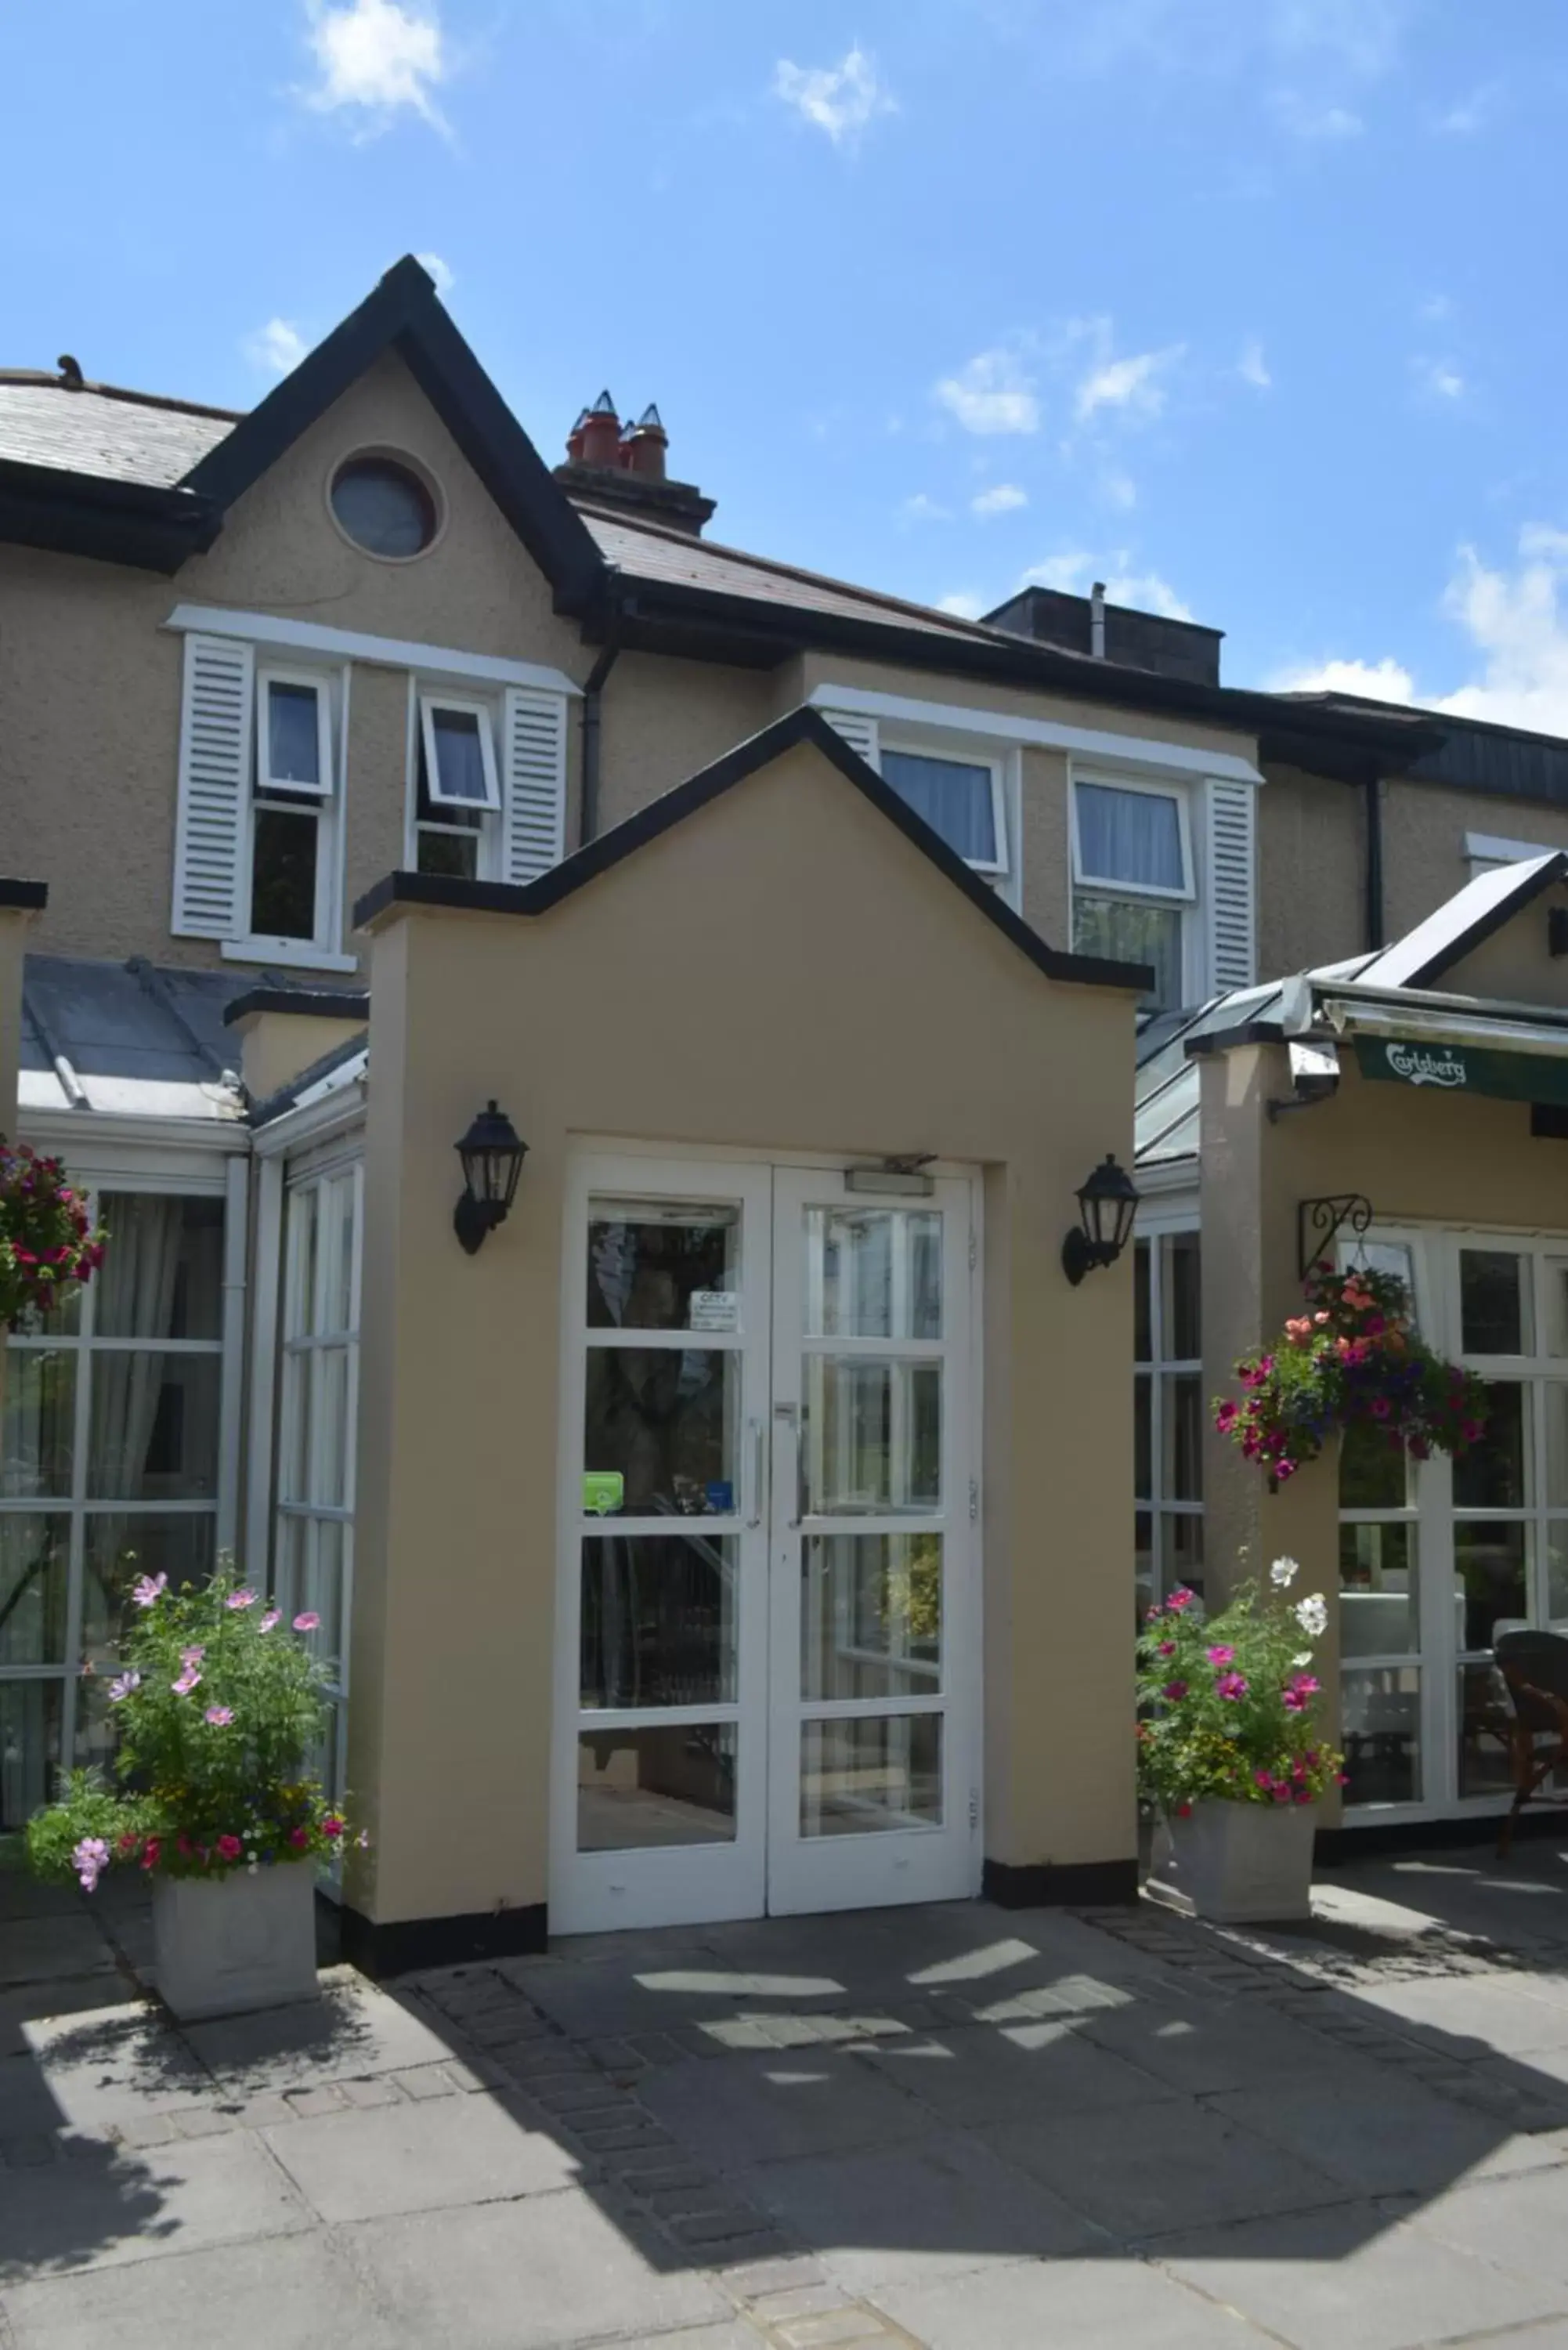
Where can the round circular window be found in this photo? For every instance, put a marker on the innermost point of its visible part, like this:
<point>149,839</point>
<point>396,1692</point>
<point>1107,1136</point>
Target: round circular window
<point>384,507</point>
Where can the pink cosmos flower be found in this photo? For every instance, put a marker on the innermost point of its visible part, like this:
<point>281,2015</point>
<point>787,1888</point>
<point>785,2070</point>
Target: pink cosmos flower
<point>89,1859</point>
<point>230,1848</point>
<point>1219,1654</point>
<point>189,1657</point>
<point>1294,1701</point>
<point>1166,1648</point>
<point>1306,1684</point>
<point>220,1716</point>
<point>1182,1597</point>
<point>1231,1685</point>
<point>244,1597</point>
<point>307,1622</point>
<point>149,1589</point>
<point>274,1615</point>
<point>1174,1691</point>
<point>189,1680</point>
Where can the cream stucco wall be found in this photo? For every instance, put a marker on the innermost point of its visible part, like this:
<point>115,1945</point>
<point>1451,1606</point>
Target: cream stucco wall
<point>1423,833</point>
<point>1312,892</point>
<point>680,998</point>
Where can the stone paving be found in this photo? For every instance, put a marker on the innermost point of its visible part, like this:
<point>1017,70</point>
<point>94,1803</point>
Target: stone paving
<point>953,2128</point>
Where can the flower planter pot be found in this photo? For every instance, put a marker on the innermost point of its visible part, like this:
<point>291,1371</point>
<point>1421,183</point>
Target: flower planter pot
<point>225,1945</point>
<point>1237,1863</point>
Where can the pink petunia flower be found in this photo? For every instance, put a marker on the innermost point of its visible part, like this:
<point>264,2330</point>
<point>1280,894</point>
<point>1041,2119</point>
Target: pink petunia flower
<point>299,1836</point>
<point>310,1621</point>
<point>220,1716</point>
<point>89,1859</point>
<point>332,1825</point>
<point>230,1848</point>
<point>244,1597</point>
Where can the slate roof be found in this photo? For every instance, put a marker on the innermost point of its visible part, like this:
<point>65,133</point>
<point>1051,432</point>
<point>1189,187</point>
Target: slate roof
<point>120,436</point>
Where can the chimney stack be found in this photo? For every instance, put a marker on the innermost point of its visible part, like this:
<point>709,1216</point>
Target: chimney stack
<point>610,464</point>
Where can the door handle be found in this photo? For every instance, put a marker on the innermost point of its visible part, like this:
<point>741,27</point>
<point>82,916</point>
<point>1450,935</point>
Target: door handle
<point>754,1508</point>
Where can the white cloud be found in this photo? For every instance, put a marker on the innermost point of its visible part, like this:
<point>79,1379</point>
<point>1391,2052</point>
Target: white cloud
<point>440,270</point>
<point>1438,378</point>
<point>964,604</point>
<point>377,59</point>
<point>1251,367</point>
<point>1073,573</point>
<point>922,508</point>
<point>1306,119</point>
<point>278,346</point>
<point>839,99</point>
<point>991,393</point>
<point>1516,621</point>
<point>1145,591</point>
<point>1132,386</point>
<point>1004,497</point>
<point>1068,573</point>
<point>1120,491</point>
<point>1471,114</point>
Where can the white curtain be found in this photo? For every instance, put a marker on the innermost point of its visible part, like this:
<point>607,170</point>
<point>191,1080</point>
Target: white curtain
<point>135,1300</point>
<point>954,797</point>
<point>1130,837</point>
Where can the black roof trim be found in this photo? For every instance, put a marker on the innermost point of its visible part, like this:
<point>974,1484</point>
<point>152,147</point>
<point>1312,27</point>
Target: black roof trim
<point>136,523</point>
<point>24,897</point>
<point>1525,891</point>
<point>405,314</point>
<point>1226,1040</point>
<point>660,816</point>
<point>313,1002</point>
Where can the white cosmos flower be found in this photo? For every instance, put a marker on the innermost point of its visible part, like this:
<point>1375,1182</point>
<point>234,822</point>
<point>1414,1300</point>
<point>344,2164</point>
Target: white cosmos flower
<point>1298,1664</point>
<point>1283,1573</point>
<point>1311,1614</point>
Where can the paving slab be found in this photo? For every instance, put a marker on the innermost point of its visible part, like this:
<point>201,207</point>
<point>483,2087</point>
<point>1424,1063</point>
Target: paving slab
<point>1380,2136</point>
<point>41,1948</point>
<point>765,2107</point>
<point>1205,2045</point>
<point>1113,2304</point>
<point>364,2163</point>
<point>108,2066</point>
<point>25,2004</point>
<point>986,2074</point>
<point>1519,2222</point>
<point>294,2293</point>
<point>933,2209</point>
<point>529,2276</point>
<point>355,2030</point>
<point>111,2206</point>
<point>1511,2014</point>
<point>1357,2277</point>
<point>1175,2166</point>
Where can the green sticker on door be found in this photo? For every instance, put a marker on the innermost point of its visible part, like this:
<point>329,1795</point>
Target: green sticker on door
<point>604,1492</point>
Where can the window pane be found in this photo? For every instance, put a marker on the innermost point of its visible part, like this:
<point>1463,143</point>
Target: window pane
<point>1379,1612</point>
<point>294,1427</point>
<point>1143,1561</point>
<point>873,1273</point>
<point>283,873</point>
<point>382,507</point>
<point>288,1562</point>
<point>35,1554</point>
<point>163,1275</point>
<point>1381,1730</point>
<point>665,1418</point>
<point>293,738</point>
<point>1183,1539</point>
<point>1494,1302</point>
<point>1373,1469</point>
<point>1183,1438</point>
<point>299,1312</point>
<point>153,1426</point>
<point>1492,1474</point>
<point>1127,930</point>
<point>649,1261</point>
<point>1180,1266</point>
<point>460,756</point>
<point>323,1586</point>
<point>953,795</point>
<point>658,1622</point>
<point>1142,1328</point>
<point>1143,1437</point>
<point>1130,837</point>
<point>871,1438</point>
<point>453,855</point>
<point>121,1546</point>
<point>329,1430</point>
<point>1554,1283</point>
<point>36,1446</point>
<point>652,1787</point>
<point>338,1212</point>
<point>1492,1583</point>
<point>1485,1718</point>
<point>29,1748</point>
<point>856,1777</point>
<point>871,1616</point>
<point>1554,1396</point>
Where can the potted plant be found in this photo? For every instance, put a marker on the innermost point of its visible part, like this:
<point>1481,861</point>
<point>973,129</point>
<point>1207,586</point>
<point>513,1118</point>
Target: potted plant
<point>219,1706</point>
<point>48,1244</point>
<point>1229,1749</point>
<point>1351,1357</point>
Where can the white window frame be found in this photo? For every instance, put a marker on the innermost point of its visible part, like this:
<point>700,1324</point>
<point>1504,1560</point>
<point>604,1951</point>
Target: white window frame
<point>1161,1367</point>
<point>310,680</point>
<point>1486,851</point>
<point>323,950</point>
<point>957,752</point>
<point>460,705</point>
<point>1104,886</point>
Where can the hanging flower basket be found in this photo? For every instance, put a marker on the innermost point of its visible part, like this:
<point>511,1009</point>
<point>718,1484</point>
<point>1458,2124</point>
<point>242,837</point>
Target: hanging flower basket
<point>48,1244</point>
<point>1350,1357</point>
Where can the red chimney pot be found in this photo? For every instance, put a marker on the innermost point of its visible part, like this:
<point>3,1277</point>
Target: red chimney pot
<point>600,433</point>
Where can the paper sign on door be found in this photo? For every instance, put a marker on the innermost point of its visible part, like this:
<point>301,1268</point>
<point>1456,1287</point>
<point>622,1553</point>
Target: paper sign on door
<point>715,1309</point>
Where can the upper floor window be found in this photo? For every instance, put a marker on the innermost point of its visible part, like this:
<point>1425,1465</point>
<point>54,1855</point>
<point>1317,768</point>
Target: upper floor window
<point>961,799</point>
<point>456,796</point>
<point>384,507</point>
<point>1132,880</point>
<point>291,809</point>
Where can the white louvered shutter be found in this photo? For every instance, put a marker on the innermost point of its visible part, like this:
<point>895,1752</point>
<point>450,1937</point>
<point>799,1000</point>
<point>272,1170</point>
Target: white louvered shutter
<point>1231,861</point>
<point>534,765</point>
<point>859,733</point>
<point>214,772</point>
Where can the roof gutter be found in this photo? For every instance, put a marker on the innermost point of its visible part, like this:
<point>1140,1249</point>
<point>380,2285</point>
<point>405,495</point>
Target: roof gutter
<point>135,523</point>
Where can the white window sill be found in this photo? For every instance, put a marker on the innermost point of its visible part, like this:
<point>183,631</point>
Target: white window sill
<point>299,952</point>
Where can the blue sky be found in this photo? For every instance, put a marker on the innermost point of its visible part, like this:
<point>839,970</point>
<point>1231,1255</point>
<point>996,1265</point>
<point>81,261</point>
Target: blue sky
<point>1252,308</point>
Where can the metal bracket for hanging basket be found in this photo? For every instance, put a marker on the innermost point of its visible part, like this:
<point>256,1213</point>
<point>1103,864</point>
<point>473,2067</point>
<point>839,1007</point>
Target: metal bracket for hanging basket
<point>1319,1223</point>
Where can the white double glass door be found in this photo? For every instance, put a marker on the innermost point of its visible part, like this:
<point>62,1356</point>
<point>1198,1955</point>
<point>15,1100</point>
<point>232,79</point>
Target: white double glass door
<point>768,1671</point>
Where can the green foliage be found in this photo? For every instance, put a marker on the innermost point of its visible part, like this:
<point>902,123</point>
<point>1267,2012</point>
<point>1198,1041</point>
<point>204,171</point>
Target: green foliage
<point>1227,1706</point>
<point>1351,1359</point>
<point>47,1245</point>
<point>219,1708</point>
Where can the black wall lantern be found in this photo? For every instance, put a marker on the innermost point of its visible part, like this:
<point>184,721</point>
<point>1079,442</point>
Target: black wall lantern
<point>1106,1206</point>
<point>492,1153</point>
